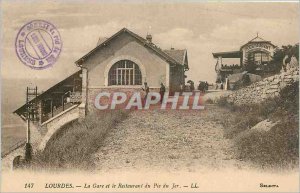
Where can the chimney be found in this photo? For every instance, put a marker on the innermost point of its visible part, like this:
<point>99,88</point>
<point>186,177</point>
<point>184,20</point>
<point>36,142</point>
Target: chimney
<point>149,38</point>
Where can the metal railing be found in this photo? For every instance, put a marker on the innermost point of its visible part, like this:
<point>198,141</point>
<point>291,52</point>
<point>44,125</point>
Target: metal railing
<point>56,111</point>
<point>74,98</point>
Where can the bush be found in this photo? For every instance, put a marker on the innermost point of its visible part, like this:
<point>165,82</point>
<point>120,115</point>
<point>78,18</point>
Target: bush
<point>290,97</point>
<point>74,144</point>
<point>276,148</point>
<point>275,65</point>
<point>209,101</point>
<point>242,124</point>
<point>223,102</point>
<point>244,117</point>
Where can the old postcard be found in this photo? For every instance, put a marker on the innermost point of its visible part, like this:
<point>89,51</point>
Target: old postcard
<point>149,96</point>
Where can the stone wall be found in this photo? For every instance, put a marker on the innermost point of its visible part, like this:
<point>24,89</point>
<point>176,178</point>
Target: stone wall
<point>267,88</point>
<point>7,161</point>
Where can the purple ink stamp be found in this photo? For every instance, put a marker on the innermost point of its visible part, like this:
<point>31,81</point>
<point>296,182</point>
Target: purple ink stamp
<point>38,44</point>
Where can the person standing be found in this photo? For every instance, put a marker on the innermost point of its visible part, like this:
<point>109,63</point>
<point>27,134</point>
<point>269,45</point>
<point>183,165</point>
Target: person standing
<point>192,87</point>
<point>201,86</point>
<point>162,91</point>
<point>181,89</point>
<point>146,89</point>
<point>206,85</point>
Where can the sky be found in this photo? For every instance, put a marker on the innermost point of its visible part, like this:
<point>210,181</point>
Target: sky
<point>201,28</point>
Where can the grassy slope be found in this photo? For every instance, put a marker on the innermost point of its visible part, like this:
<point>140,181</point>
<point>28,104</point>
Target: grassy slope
<point>277,148</point>
<point>74,144</point>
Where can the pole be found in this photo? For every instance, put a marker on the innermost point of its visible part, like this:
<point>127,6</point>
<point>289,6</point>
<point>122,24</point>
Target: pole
<point>28,148</point>
<point>28,131</point>
<point>28,117</point>
<point>35,105</point>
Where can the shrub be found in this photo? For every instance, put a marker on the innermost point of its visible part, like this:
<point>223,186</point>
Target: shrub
<point>243,117</point>
<point>276,148</point>
<point>209,101</point>
<point>268,107</point>
<point>222,101</point>
<point>290,97</point>
<point>242,124</point>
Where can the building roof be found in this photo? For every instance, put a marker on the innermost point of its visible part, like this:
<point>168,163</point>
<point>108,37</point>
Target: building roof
<point>258,39</point>
<point>141,40</point>
<point>232,54</point>
<point>23,107</point>
<point>178,55</point>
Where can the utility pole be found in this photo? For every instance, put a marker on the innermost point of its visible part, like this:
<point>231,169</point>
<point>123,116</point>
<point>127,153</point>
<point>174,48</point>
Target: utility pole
<point>31,108</point>
<point>28,148</point>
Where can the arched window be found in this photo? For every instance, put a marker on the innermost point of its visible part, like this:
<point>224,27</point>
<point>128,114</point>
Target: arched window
<point>125,72</point>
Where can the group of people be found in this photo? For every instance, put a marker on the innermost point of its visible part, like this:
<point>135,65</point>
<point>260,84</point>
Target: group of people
<point>162,91</point>
<point>203,86</point>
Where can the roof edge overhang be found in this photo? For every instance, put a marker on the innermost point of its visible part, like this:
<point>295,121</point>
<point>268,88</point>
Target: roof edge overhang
<point>269,42</point>
<point>231,54</point>
<point>141,40</point>
<point>80,60</point>
<point>186,58</point>
<point>45,92</point>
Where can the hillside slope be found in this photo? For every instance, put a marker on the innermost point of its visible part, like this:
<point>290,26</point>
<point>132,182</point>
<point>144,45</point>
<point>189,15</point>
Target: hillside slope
<point>190,141</point>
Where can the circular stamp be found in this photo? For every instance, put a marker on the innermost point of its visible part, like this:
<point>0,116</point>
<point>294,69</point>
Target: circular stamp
<point>38,44</point>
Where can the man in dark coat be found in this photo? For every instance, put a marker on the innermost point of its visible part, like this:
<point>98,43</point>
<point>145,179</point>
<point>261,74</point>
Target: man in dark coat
<point>146,89</point>
<point>192,87</point>
<point>162,91</point>
<point>206,85</point>
<point>201,86</point>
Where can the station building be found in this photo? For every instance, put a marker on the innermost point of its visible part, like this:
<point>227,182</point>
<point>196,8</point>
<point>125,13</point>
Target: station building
<point>258,50</point>
<point>122,62</point>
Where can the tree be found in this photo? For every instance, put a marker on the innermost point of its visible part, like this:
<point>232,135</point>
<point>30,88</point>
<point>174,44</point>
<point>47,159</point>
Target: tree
<point>276,63</point>
<point>250,65</point>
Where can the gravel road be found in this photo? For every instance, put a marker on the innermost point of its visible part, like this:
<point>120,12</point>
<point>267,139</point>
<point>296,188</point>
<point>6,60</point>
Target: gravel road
<point>172,140</point>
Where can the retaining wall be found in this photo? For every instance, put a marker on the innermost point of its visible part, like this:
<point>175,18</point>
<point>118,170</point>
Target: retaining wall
<point>267,88</point>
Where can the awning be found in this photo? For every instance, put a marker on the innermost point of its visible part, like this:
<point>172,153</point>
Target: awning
<point>233,54</point>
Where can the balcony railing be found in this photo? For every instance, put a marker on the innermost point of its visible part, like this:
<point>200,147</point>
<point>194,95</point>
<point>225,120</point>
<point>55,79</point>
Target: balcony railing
<point>73,98</point>
<point>232,66</point>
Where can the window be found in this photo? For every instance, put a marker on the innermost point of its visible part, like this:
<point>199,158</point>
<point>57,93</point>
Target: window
<point>125,72</point>
<point>257,58</point>
<point>261,58</point>
<point>264,57</point>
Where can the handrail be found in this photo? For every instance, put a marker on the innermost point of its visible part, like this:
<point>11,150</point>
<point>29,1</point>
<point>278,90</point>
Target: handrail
<point>59,114</point>
<point>58,110</point>
<point>14,147</point>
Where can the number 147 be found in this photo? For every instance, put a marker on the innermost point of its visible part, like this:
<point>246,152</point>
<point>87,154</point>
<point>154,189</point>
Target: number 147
<point>29,185</point>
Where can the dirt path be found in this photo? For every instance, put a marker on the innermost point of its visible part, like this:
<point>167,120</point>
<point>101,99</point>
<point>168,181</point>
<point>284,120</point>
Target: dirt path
<point>168,140</point>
